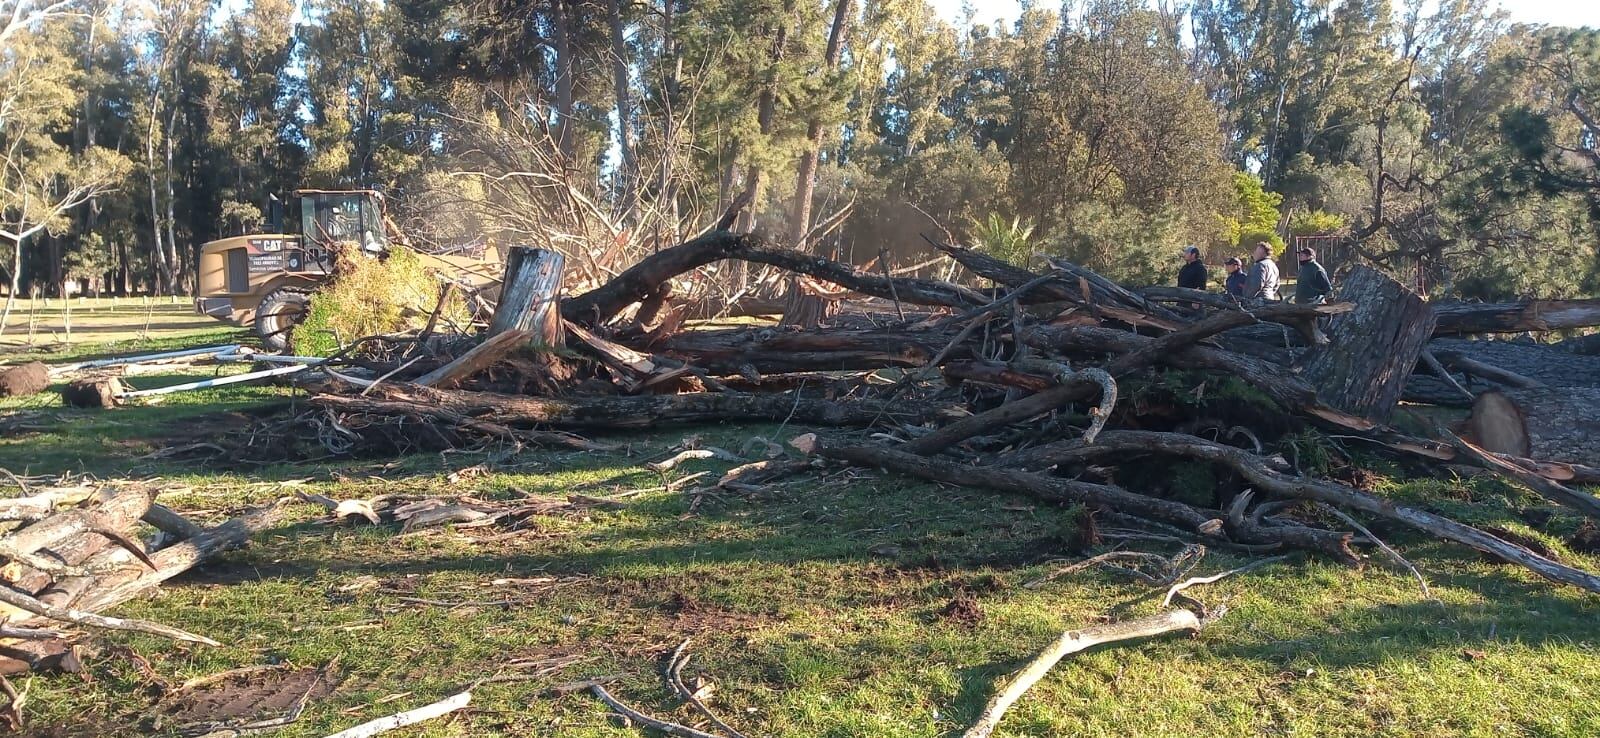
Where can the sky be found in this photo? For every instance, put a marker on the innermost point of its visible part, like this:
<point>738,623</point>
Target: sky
<point>1552,12</point>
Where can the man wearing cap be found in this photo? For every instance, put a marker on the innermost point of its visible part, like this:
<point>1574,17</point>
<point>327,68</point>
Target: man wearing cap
<point>1262,284</point>
<point>1236,278</point>
<point>1193,274</point>
<point>1313,285</point>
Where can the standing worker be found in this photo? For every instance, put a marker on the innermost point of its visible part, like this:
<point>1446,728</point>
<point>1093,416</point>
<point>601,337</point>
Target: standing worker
<point>1234,285</point>
<point>1193,274</point>
<point>1313,285</point>
<point>1262,285</point>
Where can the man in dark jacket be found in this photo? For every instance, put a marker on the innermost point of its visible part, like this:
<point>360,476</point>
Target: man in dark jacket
<point>1236,278</point>
<point>1193,273</point>
<point>1312,286</point>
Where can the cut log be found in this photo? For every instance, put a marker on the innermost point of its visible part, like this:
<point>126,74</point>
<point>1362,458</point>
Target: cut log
<point>93,392</point>
<point>1515,317</point>
<point>1560,424</point>
<point>1373,348</point>
<point>530,298</point>
<point>24,379</point>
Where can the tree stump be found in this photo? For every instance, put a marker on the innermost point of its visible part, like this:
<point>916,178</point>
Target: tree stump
<point>809,304</point>
<point>530,296</point>
<point>96,392</point>
<point>1372,349</point>
<point>24,379</point>
<point>1546,423</point>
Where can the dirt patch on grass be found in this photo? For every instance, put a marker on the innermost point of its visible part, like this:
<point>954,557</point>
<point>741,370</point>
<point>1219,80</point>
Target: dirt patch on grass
<point>1586,539</point>
<point>964,610</point>
<point>244,696</point>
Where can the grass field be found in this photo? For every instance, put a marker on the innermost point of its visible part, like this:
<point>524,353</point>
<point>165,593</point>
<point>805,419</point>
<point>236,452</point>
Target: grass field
<point>848,603</point>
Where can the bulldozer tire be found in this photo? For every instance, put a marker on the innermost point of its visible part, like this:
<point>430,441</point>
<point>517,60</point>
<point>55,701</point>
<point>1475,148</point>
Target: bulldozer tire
<point>279,312</point>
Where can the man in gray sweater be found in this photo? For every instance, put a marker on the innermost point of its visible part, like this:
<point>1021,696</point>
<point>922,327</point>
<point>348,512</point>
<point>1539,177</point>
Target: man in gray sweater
<point>1262,284</point>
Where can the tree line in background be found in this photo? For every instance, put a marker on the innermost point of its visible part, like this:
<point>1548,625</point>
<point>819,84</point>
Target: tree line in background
<point>1427,138</point>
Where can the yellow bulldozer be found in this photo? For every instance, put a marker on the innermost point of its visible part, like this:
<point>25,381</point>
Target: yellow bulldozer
<point>265,280</point>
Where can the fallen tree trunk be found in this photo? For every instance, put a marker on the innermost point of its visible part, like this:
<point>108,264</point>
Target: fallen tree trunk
<point>1262,477</point>
<point>1515,317</point>
<point>768,352</point>
<point>644,278</point>
<point>1207,525</point>
<point>1372,349</point>
<point>1541,363</point>
<point>1560,424</point>
<point>639,411</point>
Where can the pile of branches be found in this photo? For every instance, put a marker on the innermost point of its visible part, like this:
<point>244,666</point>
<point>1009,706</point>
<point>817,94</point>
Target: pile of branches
<point>1055,385</point>
<point>72,551</point>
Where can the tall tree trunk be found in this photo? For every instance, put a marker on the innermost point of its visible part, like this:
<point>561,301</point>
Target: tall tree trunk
<point>766,113</point>
<point>564,104</point>
<point>16,284</point>
<point>158,254</point>
<point>667,188</point>
<point>806,177</point>
<point>628,176</point>
<point>173,264</point>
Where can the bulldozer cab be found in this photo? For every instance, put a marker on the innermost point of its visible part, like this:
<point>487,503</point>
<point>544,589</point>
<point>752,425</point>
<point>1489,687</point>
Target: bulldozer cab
<point>324,219</point>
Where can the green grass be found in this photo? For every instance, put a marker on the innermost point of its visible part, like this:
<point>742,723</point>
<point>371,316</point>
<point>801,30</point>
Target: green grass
<point>75,328</point>
<point>816,607</point>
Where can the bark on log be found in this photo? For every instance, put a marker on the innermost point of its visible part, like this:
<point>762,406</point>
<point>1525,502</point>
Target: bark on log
<point>771,352</point>
<point>642,411</point>
<point>1372,349</point>
<point>1582,345</point>
<point>24,379</point>
<point>1543,363</point>
<point>1259,474</point>
<point>1559,424</point>
<point>641,280</point>
<point>1515,317</point>
<point>530,297</point>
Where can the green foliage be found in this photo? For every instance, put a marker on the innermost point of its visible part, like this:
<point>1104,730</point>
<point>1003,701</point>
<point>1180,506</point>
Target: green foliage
<point>1129,244</point>
<point>369,296</point>
<point>1315,223</point>
<point>1008,240</point>
<point>1255,216</point>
